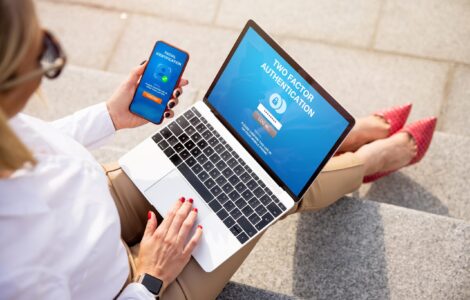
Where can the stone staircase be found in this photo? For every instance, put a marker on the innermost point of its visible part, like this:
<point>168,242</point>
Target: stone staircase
<point>406,236</point>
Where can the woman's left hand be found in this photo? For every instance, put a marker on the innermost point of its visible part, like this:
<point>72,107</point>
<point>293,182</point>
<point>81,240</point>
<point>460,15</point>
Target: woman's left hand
<point>118,104</point>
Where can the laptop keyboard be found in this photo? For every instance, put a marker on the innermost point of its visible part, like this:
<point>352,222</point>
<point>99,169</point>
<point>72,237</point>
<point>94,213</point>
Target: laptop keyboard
<point>233,191</point>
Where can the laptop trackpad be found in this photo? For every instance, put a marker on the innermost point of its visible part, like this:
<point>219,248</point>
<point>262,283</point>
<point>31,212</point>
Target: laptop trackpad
<point>163,195</point>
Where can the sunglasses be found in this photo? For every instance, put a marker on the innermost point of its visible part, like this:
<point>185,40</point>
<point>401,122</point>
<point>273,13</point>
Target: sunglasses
<point>51,60</point>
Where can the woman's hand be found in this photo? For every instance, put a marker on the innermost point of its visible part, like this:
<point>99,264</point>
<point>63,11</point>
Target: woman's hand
<point>163,250</point>
<point>118,104</point>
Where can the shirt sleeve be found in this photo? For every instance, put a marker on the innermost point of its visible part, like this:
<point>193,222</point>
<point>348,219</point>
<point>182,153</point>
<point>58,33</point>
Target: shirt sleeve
<point>92,126</point>
<point>136,291</point>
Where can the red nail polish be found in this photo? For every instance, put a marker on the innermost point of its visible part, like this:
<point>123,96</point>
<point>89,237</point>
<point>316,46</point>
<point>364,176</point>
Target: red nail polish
<point>199,226</point>
<point>182,199</point>
<point>191,200</point>
<point>195,209</point>
<point>149,215</point>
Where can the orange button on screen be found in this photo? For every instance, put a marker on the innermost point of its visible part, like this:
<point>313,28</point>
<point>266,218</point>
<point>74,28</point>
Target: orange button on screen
<point>152,97</point>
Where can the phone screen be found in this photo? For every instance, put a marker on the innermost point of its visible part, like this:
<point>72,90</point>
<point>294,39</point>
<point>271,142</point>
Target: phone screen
<point>163,71</point>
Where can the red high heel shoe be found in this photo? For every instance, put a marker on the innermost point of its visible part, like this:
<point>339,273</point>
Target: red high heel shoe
<point>422,132</point>
<point>395,116</point>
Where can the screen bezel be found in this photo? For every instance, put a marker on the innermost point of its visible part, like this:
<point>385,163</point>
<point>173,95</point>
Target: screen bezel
<point>350,119</point>
<point>152,55</point>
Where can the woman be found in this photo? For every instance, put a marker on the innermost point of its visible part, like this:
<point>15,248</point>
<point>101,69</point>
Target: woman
<point>61,223</point>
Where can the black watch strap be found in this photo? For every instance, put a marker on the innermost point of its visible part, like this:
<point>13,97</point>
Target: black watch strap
<point>153,284</point>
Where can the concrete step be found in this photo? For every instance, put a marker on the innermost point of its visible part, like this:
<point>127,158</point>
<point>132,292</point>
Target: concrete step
<point>236,291</point>
<point>438,184</point>
<point>359,249</point>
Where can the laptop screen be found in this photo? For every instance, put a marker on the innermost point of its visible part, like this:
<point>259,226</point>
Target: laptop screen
<point>280,116</point>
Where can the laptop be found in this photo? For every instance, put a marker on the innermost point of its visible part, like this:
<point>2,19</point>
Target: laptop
<point>246,153</point>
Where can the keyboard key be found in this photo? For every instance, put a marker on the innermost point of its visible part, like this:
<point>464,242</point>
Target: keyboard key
<point>222,214</point>
<point>202,144</point>
<point>201,127</point>
<point>194,121</point>
<point>208,166</point>
<point>215,205</point>
<point>255,177</point>
<point>241,162</point>
<point>176,160</point>
<point>221,165</point>
<point>195,111</point>
<point>213,141</point>
<point>178,147</point>
<point>240,187</point>
<point>181,120</point>
<point>236,229</point>
<point>229,205</point>
<point>229,149</point>
<point>232,162</point>
<point>221,180</point>
<point>238,170</point>
<point>245,177</point>
<point>214,158</point>
<point>210,127</point>
<point>247,194</point>
<point>195,152</point>
<point>214,173</point>
<point>207,134</point>
<point>242,237</point>
<point>234,179</point>
<point>240,203</point>
<point>260,210</point>
<point>227,188</point>
<point>208,151</point>
<point>254,219</point>
<point>274,198</point>
<point>234,195</point>
<point>229,221</point>
<point>236,213</point>
<point>248,169</point>
<point>195,182</point>
<point>169,152</point>
<point>283,208</point>
<point>225,155</point>
<point>196,137</point>
<point>265,220</point>
<point>265,200</point>
<point>203,119</point>
<point>175,128</point>
<point>247,210</point>
<point>163,145</point>
<point>190,130</point>
<point>273,209</point>
<point>202,159</point>
<point>219,148</point>
<point>216,191</point>
<point>227,172</point>
<point>253,202</point>
<point>184,154</point>
<point>246,225</point>
<point>166,133</point>
<point>251,184</point>
<point>188,114</point>
<point>209,183</point>
<point>157,137</point>
<point>183,138</point>
<point>196,168</point>
<point>222,198</point>
<point>172,140</point>
<point>203,176</point>
<point>190,161</point>
<point>258,192</point>
<point>190,145</point>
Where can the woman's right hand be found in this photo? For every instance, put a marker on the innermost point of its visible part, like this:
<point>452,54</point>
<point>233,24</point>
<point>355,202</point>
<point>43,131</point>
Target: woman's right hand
<point>164,251</point>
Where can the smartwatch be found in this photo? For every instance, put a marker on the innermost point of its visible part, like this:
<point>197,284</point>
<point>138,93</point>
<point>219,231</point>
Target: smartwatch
<point>152,284</point>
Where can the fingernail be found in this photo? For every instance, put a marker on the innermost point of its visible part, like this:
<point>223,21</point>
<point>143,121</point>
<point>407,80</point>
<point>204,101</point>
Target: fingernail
<point>182,199</point>
<point>149,215</point>
<point>172,104</point>
<point>177,94</point>
<point>190,200</point>
<point>199,226</point>
<point>143,62</point>
<point>167,115</point>
<point>195,209</point>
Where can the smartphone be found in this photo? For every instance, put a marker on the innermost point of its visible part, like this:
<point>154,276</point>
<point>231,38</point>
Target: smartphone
<point>161,76</point>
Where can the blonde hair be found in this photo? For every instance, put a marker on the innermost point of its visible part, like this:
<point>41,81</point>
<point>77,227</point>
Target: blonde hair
<point>18,26</point>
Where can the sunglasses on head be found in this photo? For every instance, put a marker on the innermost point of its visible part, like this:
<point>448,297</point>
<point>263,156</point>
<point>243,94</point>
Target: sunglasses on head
<point>51,60</point>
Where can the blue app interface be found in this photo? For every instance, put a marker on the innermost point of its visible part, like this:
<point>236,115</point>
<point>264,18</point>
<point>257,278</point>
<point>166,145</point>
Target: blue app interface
<point>158,82</point>
<point>281,117</point>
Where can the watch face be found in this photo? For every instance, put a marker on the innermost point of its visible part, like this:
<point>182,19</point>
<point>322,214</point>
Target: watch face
<point>152,284</point>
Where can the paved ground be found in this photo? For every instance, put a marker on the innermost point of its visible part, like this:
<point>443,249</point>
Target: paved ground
<point>368,54</point>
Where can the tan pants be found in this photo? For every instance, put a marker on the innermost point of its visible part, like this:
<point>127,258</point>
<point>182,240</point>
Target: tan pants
<point>341,175</point>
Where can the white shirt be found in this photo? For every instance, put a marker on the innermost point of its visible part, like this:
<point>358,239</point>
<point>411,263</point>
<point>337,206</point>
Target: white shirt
<point>59,226</point>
